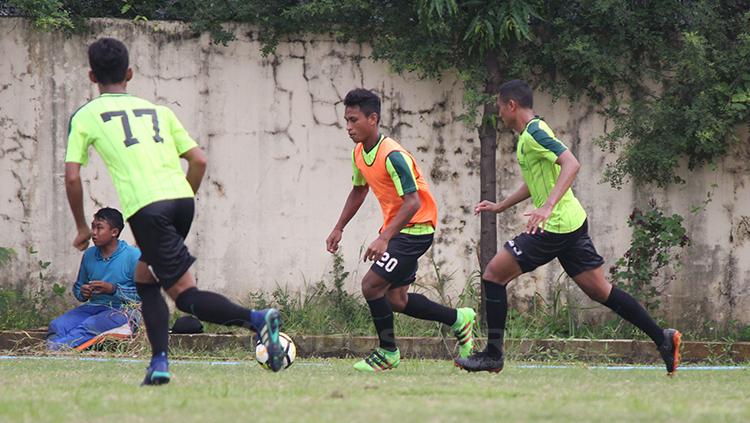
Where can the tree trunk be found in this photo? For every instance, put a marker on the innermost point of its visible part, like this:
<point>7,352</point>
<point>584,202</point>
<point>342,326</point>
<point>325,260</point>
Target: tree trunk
<point>487,175</point>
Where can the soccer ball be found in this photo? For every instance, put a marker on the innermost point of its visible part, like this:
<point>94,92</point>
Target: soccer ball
<point>290,352</point>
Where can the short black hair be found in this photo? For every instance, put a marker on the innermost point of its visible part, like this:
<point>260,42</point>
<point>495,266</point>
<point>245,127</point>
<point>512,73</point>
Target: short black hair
<point>109,61</point>
<point>519,91</point>
<point>368,101</point>
<point>111,216</point>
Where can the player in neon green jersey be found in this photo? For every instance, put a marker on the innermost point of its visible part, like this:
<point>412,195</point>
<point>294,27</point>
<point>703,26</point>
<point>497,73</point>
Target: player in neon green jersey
<point>142,144</point>
<point>556,229</point>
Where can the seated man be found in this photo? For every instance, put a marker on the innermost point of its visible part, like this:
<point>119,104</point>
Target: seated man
<point>105,283</point>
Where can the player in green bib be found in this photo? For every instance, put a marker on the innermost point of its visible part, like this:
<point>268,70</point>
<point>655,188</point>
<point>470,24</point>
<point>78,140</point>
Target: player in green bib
<point>557,228</point>
<point>142,145</point>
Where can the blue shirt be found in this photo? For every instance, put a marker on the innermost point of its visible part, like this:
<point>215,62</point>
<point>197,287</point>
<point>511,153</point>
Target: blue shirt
<point>117,269</point>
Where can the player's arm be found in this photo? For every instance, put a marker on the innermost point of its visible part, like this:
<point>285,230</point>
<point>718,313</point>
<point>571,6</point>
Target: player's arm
<point>74,190</point>
<point>353,202</point>
<point>197,163</point>
<point>186,148</point>
<point>569,167</point>
<point>521,194</point>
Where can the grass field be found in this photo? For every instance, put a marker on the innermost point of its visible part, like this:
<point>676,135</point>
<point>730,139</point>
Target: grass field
<point>55,390</point>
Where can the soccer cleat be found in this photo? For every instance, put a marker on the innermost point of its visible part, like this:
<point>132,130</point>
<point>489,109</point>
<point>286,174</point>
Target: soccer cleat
<point>464,330</point>
<point>157,372</point>
<point>481,361</point>
<point>378,361</point>
<point>268,333</point>
<point>670,350</point>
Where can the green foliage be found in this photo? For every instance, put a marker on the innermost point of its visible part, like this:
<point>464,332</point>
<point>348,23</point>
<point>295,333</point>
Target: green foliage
<point>673,76</point>
<point>22,309</point>
<point>47,15</point>
<point>656,243</point>
<point>6,256</point>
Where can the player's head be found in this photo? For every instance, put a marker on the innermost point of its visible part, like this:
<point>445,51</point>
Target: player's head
<point>109,62</point>
<point>107,226</point>
<point>362,114</point>
<point>513,96</point>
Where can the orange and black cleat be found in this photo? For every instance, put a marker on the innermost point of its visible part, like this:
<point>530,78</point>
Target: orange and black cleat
<point>670,350</point>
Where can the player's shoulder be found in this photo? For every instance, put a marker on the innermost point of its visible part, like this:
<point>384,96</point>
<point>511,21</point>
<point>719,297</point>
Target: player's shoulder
<point>83,109</point>
<point>539,130</point>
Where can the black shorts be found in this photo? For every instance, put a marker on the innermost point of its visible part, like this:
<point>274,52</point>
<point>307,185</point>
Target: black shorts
<point>398,265</point>
<point>160,229</point>
<point>574,250</point>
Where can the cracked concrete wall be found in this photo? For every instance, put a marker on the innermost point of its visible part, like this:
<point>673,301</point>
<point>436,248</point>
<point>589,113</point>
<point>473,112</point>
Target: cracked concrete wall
<point>279,167</point>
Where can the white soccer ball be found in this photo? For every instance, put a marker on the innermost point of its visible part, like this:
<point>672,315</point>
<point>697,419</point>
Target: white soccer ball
<point>290,352</point>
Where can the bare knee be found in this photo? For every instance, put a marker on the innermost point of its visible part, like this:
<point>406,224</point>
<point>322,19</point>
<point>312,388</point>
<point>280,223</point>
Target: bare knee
<point>593,284</point>
<point>372,287</point>
<point>494,277</point>
<point>397,299</point>
<point>599,294</point>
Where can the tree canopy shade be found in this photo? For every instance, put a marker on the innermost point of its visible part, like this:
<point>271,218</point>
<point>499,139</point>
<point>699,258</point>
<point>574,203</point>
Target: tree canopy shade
<point>673,75</point>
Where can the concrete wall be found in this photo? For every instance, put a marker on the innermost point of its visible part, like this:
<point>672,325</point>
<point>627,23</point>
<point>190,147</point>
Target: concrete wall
<point>280,169</point>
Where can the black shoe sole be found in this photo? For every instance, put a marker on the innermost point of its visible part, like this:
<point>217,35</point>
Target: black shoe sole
<point>477,370</point>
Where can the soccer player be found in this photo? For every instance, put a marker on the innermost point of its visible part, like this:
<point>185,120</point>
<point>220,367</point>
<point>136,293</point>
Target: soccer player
<point>104,284</point>
<point>557,228</point>
<point>410,216</point>
<point>141,144</point>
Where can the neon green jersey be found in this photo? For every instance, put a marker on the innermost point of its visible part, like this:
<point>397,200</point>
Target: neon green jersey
<point>399,167</point>
<point>141,144</point>
<point>537,151</point>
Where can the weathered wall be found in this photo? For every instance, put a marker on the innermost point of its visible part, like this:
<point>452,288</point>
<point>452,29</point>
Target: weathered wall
<point>280,166</point>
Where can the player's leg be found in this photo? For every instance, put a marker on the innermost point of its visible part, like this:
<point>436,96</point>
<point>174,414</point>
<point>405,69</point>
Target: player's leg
<point>502,269</point>
<point>387,355</point>
<point>172,269</point>
<point>399,266</point>
<point>582,263</point>
<point>155,314</point>
<point>667,341</point>
<point>461,320</point>
<point>215,308</point>
<point>522,254</point>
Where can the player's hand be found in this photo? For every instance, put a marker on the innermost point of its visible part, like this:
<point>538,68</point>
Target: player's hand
<point>486,206</point>
<point>332,242</point>
<point>376,249</point>
<point>101,287</point>
<point>86,291</point>
<point>537,219</point>
<point>81,241</point>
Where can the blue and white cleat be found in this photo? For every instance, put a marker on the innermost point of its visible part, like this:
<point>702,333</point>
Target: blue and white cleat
<point>157,372</point>
<point>268,333</point>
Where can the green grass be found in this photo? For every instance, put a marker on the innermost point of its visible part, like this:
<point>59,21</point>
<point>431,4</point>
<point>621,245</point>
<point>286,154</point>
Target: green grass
<point>329,390</point>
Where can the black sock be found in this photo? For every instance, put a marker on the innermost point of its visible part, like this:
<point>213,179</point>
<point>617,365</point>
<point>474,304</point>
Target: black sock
<point>155,316</point>
<point>382,316</point>
<point>423,308</point>
<point>215,308</point>
<point>629,309</point>
<point>496,300</point>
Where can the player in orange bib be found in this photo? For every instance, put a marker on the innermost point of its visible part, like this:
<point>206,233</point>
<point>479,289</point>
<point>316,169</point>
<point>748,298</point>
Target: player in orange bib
<point>409,220</point>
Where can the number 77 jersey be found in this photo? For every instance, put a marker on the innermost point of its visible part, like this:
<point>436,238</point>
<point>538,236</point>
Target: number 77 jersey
<point>139,142</point>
